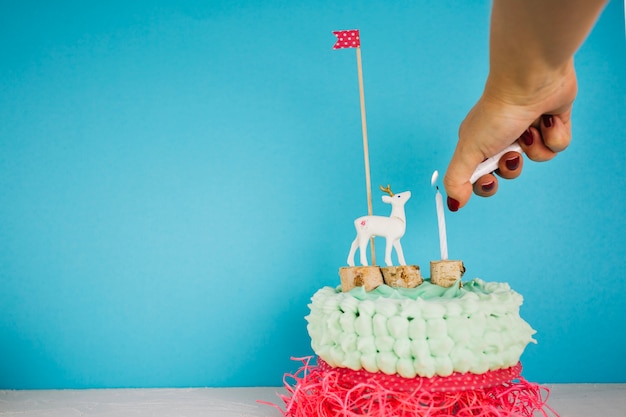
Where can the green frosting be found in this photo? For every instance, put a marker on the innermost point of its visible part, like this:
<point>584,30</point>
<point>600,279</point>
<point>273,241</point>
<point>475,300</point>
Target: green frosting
<point>425,291</point>
<point>426,331</point>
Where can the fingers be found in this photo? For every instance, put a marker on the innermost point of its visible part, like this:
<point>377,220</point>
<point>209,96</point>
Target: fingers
<point>459,189</point>
<point>486,186</point>
<point>510,165</point>
<point>540,144</point>
<point>534,147</point>
<point>556,133</point>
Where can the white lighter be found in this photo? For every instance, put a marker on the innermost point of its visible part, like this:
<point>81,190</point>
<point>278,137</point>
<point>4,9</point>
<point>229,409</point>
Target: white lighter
<point>491,164</point>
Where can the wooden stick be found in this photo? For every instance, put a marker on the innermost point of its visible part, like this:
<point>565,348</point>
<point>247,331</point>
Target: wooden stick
<point>368,182</point>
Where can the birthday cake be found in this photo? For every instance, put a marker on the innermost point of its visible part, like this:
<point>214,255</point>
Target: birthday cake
<point>390,347</point>
<point>427,351</point>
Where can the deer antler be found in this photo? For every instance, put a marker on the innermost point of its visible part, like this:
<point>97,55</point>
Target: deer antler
<point>386,190</point>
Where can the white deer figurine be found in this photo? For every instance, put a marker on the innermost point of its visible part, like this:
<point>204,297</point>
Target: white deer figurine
<point>392,228</point>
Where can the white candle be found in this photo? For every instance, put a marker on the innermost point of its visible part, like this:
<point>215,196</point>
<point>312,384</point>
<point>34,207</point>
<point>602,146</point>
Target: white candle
<point>443,243</point>
<point>441,220</point>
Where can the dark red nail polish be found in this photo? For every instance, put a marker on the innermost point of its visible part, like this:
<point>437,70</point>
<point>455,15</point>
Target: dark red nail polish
<point>547,120</point>
<point>488,186</point>
<point>512,163</point>
<point>453,205</point>
<point>527,137</point>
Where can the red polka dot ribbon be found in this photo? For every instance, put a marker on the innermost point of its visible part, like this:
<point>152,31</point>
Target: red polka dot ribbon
<point>453,383</point>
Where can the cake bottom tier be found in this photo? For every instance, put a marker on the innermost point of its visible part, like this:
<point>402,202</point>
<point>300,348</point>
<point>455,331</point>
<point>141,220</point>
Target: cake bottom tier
<point>318,390</point>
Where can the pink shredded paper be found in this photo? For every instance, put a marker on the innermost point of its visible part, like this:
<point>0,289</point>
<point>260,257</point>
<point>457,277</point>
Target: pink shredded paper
<point>322,391</point>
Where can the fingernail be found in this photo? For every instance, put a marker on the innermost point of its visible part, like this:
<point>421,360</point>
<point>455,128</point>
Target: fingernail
<point>547,120</point>
<point>453,205</point>
<point>488,186</point>
<point>527,137</point>
<point>512,163</point>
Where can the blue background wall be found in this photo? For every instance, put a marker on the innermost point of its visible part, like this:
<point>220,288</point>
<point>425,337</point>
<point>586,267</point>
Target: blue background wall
<point>178,178</point>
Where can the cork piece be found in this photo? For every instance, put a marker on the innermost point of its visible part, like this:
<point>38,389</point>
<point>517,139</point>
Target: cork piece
<point>369,277</point>
<point>446,273</point>
<point>405,276</point>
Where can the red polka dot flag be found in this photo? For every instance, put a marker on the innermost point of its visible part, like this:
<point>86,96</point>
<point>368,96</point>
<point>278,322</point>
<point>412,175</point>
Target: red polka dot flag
<point>347,39</point>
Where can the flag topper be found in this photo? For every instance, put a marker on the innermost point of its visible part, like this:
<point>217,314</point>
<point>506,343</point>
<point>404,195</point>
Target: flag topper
<point>347,39</point>
<point>352,39</point>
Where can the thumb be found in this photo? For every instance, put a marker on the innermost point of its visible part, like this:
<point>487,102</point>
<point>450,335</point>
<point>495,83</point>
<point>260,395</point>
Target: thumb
<point>457,178</point>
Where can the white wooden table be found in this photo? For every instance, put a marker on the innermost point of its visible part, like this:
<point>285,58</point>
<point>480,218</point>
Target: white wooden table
<point>569,400</point>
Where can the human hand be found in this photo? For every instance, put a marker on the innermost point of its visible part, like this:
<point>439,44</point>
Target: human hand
<point>538,118</point>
